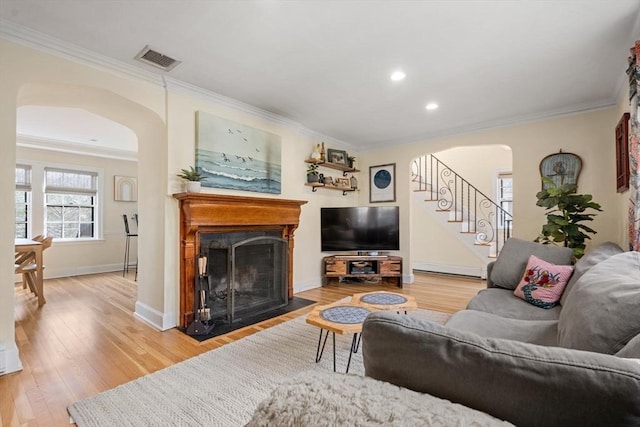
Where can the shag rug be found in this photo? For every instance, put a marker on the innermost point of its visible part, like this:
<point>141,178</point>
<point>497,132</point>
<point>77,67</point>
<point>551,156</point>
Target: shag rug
<point>328,400</point>
<point>221,387</point>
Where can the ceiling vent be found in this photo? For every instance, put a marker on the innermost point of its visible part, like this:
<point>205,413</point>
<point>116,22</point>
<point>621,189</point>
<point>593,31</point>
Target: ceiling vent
<point>156,59</point>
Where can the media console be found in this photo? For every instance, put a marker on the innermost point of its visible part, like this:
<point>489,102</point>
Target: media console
<point>363,267</point>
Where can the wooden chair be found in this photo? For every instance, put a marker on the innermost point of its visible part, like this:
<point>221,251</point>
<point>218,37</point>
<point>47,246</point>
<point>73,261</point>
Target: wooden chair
<point>25,264</point>
<point>25,258</point>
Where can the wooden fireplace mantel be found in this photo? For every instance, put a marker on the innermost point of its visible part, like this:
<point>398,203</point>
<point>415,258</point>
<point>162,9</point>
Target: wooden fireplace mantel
<point>210,213</point>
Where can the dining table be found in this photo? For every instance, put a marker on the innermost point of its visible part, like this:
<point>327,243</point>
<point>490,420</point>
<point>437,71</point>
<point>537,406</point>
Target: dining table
<point>26,246</point>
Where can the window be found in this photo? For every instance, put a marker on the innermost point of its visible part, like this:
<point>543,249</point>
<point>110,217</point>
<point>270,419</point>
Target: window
<point>23,200</point>
<point>505,191</point>
<point>70,203</point>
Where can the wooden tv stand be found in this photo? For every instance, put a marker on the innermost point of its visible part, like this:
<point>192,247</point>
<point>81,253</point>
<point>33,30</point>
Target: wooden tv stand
<point>363,267</point>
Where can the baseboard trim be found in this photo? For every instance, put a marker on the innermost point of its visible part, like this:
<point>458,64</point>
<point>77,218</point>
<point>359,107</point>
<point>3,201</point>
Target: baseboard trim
<point>155,318</point>
<point>460,270</point>
<point>9,358</point>
<point>307,285</point>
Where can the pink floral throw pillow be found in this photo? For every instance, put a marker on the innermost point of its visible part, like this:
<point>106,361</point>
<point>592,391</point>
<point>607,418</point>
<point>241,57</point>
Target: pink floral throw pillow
<point>543,282</point>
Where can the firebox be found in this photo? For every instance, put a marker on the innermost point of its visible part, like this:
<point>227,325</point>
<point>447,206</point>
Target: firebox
<point>246,273</point>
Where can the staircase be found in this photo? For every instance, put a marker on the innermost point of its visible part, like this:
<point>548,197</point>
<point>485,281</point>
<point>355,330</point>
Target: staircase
<point>478,216</point>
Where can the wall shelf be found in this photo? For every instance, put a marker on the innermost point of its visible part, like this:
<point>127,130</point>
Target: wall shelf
<point>315,186</point>
<point>342,168</point>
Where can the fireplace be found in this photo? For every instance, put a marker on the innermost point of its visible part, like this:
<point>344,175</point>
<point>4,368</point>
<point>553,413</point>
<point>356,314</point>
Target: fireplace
<point>246,273</point>
<point>249,245</point>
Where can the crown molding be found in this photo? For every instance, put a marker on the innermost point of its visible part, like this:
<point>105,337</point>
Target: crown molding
<point>494,124</point>
<point>225,101</point>
<point>37,40</point>
<point>49,144</point>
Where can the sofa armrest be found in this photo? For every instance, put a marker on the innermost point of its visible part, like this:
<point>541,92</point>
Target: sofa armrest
<point>489,268</point>
<point>522,383</point>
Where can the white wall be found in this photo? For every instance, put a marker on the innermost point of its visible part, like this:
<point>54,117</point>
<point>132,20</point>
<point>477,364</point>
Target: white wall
<point>105,254</point>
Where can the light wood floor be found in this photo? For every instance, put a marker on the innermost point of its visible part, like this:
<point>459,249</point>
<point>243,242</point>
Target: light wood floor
<point>86,339</point>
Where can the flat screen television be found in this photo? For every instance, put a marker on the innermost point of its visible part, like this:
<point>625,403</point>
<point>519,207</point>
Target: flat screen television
<point>366,228</point>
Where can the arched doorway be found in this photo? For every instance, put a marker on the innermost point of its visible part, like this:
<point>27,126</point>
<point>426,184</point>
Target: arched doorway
<point>150,130</point>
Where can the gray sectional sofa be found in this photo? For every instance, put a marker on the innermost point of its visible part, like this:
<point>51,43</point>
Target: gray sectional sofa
<point>574,364</point>
<point>500,361</point>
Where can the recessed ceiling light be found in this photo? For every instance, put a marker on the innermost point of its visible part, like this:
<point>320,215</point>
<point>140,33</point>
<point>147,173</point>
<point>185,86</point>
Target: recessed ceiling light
<point>398,75</point>
<point>432,106</point>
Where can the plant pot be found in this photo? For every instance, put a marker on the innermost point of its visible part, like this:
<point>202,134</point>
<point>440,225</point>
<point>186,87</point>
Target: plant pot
<point>312,178</point>
<point>193,186</point>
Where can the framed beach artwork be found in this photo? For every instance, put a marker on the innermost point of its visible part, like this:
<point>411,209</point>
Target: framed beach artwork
<point>236,156</point>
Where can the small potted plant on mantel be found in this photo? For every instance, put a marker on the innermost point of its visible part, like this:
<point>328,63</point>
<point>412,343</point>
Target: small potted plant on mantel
<point>192,178</point>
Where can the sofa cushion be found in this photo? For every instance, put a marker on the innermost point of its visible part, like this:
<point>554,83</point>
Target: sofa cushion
<point>503,303</point>
<point>543,282</point>
<point>541,332</point>
<point>590,258</point>
<point>514,255</point>
<point>330,399</point>
<point>601,314</point>
<point>632,349</point>
<point>526,384</point>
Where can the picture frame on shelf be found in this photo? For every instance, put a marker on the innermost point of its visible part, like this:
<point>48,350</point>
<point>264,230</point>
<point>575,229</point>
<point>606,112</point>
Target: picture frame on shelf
<point>342,182</point>
<point>382,183</point>
<point>338,157</point>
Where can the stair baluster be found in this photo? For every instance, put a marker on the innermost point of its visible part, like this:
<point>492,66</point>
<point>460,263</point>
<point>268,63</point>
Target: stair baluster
<point>490,223</point>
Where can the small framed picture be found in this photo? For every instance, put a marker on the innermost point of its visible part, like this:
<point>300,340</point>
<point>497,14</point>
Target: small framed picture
<point>338,157</point>
<point>382,183</point>
<point>343,182</point>
<point>125,188</point>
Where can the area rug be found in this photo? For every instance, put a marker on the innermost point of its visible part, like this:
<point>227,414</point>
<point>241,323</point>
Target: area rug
<point>221,387</point>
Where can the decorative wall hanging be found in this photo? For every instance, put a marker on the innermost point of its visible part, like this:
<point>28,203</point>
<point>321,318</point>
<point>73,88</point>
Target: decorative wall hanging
<point>236,156</point>
<point>634,150</point>
<point>561,168</point>
<point>382,183</point>
<point>125,188</point>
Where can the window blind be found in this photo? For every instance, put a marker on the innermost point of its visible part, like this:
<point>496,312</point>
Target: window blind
<point>67,181</point>
<point>23,178</point>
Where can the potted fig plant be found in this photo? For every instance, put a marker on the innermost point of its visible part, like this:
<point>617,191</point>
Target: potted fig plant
<point>565,214</point>
<point>192,177</point>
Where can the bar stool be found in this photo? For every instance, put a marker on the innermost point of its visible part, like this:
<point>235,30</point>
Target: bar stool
<point>127,246</point>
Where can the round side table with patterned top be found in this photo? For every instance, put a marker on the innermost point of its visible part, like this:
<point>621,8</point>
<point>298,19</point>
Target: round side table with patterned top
<point>343,318</point>
<point>383,300</point>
